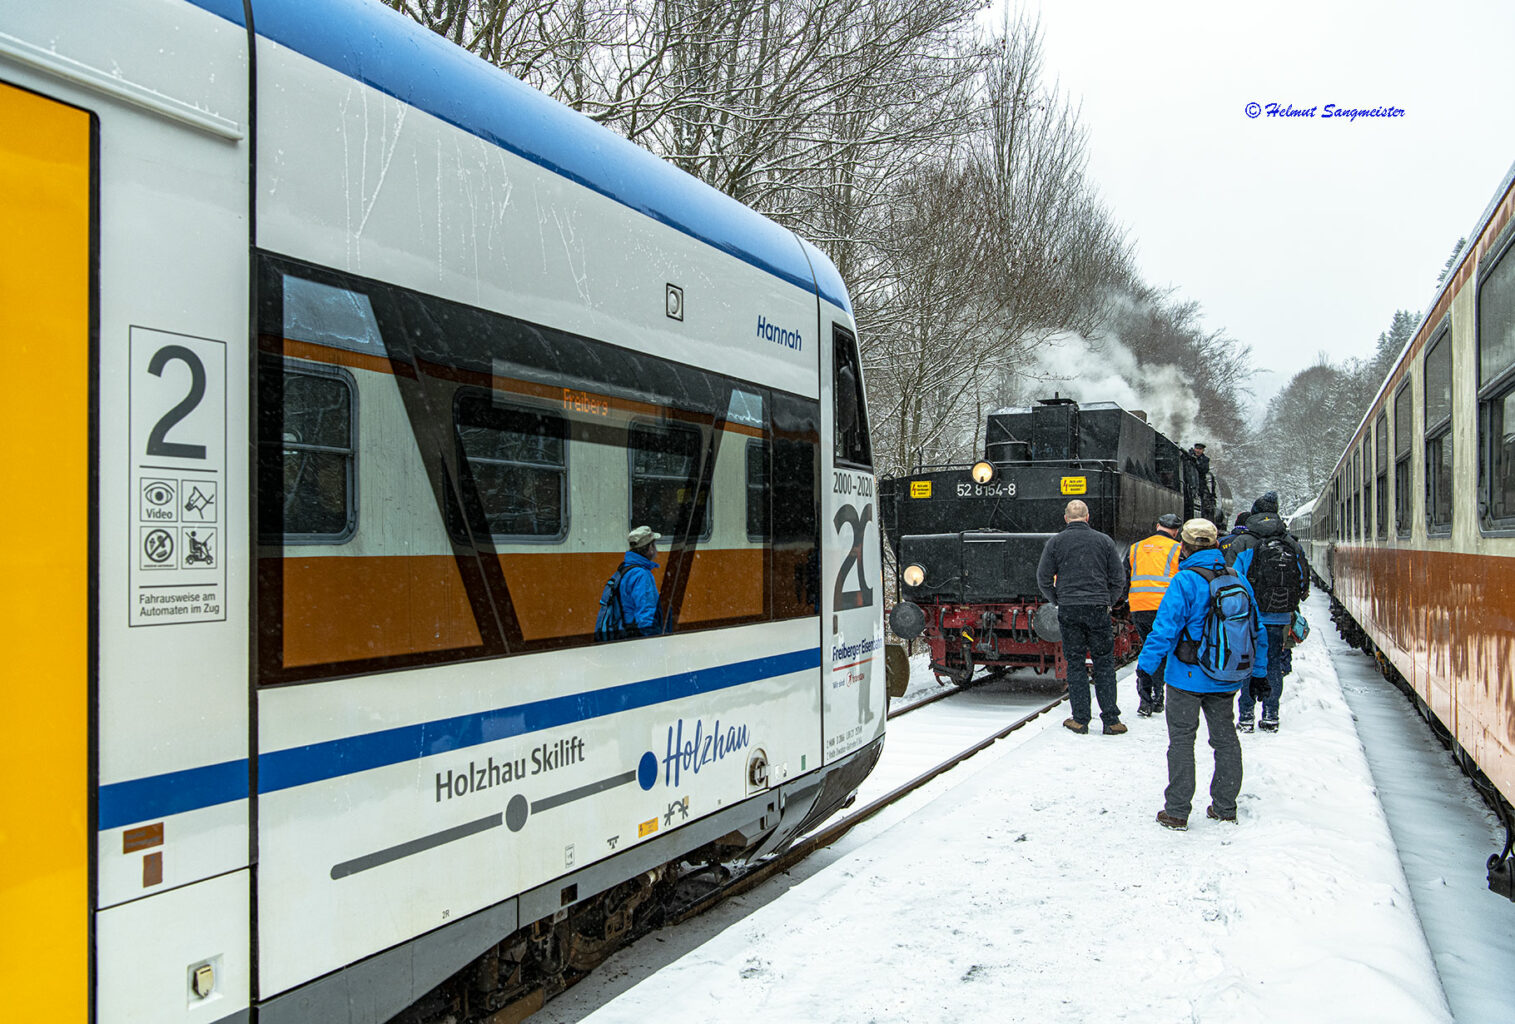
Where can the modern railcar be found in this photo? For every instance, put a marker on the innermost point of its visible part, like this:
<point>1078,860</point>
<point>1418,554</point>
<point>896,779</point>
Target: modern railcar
<point>966,539</point>
<point>351,362</point>
<point>1414,533</point>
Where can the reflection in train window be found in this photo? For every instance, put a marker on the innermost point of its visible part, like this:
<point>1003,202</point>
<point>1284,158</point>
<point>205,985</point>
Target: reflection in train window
<point>307,462</point>
<point>1496,391</point>
<point>1438,434</point>
<point>516,461</point>
<point>757,490</point>
<point>665,462</point>
<point>851,425</point>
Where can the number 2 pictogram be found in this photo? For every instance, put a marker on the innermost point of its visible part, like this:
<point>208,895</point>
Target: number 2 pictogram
<point>862,597</point>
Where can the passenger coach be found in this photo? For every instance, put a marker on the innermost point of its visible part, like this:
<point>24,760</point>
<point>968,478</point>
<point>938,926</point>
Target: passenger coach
<point>344,364</point>
<point>1415,532</point>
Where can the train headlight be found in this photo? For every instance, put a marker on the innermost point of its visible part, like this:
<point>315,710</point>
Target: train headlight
<point>983,471</point>
<point>914,575</point>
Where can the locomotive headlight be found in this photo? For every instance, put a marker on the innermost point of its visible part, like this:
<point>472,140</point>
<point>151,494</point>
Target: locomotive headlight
<point>983,471</point>
<point>914,575</point>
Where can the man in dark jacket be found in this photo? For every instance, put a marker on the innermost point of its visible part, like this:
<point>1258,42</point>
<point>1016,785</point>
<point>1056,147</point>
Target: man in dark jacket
<point>1192,690</point>
<point>1080,572</point>
<point>1275,564</point>
<point>1236,531</point>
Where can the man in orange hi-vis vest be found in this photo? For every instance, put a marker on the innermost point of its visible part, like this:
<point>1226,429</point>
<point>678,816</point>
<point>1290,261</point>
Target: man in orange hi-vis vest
<point>1150,565</point>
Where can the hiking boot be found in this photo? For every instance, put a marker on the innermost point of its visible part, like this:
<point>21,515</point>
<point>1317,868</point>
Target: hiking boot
<point>1211,812</point>
<point>1114,728</point>
<point>1244,725</point>
<point>1157,705</point>
<point>1167,820</point>
<point>1268,725</point>
<point>1074,725</point>
<point>1144,708</point>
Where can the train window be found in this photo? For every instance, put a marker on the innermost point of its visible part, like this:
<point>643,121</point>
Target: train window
<point>307,461</point>
<point>1496,391</point>
<point>665,463</point>
<point>516,459</point>
<point>1364,466</point>
<point>851,425</point>
<point>1499,450</point>
<point>479,426</point>
<point>1402,416</point>
<point>1438,434</point>
<point>1381,453</point>
<point>757,490</point>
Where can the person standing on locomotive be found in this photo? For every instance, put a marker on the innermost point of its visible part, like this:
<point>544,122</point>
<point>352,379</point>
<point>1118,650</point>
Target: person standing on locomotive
<point>1187,621</point>
<point>1080,573</point>
<point>1150,564</point>
<point>1274,563</point>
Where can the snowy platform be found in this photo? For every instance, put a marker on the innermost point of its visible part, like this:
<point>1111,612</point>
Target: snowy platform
<point>1032,884</point>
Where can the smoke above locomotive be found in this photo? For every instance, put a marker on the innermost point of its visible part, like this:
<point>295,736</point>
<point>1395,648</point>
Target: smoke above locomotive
<point>966,538</point>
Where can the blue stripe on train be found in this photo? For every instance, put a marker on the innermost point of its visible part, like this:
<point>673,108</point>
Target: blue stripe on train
<point>375,45</point>
<point>124,803</point>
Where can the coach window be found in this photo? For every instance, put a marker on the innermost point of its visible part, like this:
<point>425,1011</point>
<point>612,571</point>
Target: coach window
<point>517,468</point>
<point>665,462</point>
<point>1496,391</point>
<point>1438,434</point>
<point>1381,454</point>
<point>851,425</point>
<point>1402,415</point>
<point>307,479</point>
<point>1365,476</point>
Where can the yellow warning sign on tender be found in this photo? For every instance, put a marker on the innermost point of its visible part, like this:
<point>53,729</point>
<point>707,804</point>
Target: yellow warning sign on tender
<point>920,488</point>
<point>1075,485</point>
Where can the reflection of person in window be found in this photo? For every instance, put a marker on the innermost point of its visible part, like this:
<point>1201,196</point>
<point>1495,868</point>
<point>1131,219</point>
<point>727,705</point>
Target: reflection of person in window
<point>639,589</point>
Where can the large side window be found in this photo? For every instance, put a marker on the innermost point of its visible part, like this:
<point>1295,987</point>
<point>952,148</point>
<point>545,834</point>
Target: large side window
<point>517,458</point>
<point>757,490</point>
<point>852,442</point>
<point>1364,464</point>
<point>307,453</point>
<point>1402,428</point>
<point>1496,391</point>
<point>1437,375</point>
<point>1381,455</point>
<point>665,462</point>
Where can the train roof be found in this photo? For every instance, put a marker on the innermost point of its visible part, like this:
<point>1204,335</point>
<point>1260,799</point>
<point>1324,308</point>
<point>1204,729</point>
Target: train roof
<point>380,47</point>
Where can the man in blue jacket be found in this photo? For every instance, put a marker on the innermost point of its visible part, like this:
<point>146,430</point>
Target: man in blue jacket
<point>632,591</point>
<point>1190,689</point>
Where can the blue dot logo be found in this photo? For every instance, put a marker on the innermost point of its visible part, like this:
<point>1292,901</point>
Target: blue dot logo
<point>647,770</point>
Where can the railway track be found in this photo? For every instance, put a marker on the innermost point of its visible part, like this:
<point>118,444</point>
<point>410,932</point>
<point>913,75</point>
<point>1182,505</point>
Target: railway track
<point>855,815</point>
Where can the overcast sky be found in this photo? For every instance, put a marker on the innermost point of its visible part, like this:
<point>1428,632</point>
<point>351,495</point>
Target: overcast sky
<point>1301,235</point>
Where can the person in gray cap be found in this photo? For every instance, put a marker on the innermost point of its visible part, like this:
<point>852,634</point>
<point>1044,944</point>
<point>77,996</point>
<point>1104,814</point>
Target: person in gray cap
<point>1080,572</point>
<point>629,602</point>
<point>1195,686</point>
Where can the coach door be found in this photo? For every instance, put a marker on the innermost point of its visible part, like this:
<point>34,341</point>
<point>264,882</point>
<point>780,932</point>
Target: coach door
<point>851,577</point>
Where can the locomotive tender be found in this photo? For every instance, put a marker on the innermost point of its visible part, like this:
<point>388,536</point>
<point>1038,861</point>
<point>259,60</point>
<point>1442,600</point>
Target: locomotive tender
<point>1414,532</point>
<point>966,538</point>
<point>351,362</point>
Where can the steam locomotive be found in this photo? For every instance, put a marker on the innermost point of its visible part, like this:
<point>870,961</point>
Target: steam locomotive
<point>967,538</point>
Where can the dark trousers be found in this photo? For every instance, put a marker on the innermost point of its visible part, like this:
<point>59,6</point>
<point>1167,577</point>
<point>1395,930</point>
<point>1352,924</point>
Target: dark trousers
<point>1087,631</point>
<point>1183,725</point>
<point>1244,703</point>
<point>1143,623</point>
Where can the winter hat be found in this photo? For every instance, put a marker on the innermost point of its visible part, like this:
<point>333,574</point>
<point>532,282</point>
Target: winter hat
<point>1199,533</point>
<point>642,536</point>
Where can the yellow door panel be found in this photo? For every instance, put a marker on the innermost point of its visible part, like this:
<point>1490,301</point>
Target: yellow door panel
<point>46,206</point>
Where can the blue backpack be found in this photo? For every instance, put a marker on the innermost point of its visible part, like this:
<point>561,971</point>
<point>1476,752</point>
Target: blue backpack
<point>1227,646</point>
<point>610,623</point>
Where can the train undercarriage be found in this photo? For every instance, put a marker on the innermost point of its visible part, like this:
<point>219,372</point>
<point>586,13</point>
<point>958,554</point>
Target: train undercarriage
<point>964,638</point>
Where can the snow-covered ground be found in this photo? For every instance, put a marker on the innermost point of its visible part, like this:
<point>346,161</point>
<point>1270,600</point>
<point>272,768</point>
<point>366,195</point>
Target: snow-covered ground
<point>1032,884</point>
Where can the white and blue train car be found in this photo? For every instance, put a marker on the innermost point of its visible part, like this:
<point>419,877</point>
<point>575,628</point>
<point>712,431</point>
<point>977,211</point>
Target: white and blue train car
<point>342,365</point>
